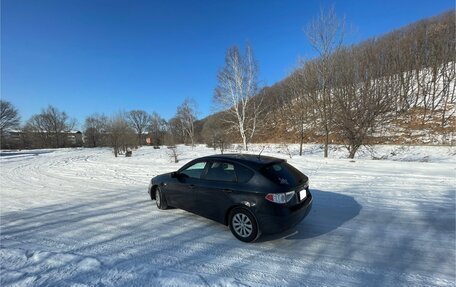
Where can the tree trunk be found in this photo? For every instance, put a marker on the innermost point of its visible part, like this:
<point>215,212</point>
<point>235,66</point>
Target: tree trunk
<point>353,150</point>
<point>244,142</point>
<point>326,143</point>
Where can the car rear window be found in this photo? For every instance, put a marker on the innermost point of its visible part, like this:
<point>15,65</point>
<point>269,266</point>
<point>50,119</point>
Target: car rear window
<point>282,173</point>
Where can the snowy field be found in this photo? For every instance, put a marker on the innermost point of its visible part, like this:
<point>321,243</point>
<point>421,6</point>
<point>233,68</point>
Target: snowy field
<point>81,217</point>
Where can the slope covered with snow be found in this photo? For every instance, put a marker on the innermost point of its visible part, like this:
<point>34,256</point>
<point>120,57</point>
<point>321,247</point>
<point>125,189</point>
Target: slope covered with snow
<point>81,217</point>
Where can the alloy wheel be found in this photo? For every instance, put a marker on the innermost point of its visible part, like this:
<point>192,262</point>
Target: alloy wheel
<point>242,225</point>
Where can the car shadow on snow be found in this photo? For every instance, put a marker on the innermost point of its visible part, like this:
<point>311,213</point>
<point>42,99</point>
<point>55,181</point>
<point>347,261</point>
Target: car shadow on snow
<point>329,211</point>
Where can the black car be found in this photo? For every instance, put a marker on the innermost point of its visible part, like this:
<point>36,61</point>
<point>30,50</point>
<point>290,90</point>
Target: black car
<point>251,194</point>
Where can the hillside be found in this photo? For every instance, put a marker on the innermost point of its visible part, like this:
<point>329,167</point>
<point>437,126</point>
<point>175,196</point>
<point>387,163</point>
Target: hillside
<point>413,68</point>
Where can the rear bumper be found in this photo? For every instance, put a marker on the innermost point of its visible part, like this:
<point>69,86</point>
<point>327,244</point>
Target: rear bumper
<point>285,217</point>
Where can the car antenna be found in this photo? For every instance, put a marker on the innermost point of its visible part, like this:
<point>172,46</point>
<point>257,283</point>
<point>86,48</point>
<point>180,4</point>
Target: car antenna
<point>261,152</point>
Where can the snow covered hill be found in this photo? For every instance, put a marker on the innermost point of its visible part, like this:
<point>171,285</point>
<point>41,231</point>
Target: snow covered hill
<point>81,217</point>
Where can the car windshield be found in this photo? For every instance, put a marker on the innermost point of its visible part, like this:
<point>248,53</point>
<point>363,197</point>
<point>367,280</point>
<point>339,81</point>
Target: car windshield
<point>283,174</point>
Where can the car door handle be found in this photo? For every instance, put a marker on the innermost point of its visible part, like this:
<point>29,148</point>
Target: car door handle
<point>191,186</point>
<point>227,190</point>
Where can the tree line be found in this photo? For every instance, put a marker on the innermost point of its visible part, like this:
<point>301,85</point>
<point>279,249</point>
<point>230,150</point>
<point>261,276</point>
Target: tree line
<point>52,128</point>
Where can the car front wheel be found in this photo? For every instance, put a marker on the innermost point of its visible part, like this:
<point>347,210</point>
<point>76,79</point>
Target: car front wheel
<point>160,199</point>
<point>243,225</point>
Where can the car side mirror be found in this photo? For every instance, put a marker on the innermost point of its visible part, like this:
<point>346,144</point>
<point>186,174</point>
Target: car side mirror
<point>174,174</point>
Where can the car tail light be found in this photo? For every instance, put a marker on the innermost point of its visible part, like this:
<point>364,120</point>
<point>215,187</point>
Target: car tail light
<point>280,197</point>
<point>306,185</point>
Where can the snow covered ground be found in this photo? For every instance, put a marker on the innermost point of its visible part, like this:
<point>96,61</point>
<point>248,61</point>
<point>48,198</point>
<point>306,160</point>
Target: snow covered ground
<point>80,217</point>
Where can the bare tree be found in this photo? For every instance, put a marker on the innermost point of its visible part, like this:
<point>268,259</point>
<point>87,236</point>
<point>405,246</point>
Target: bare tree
<point>449,97</point>
<point>325,34</point>
<point>121,133</point>
<point>139,120</point>
<point>361,97</point>
<point>175,134</point>
<point>448,105</point>
<point>236,90</point>
<point>215,133</point>
<point>9,116</point>
<point>36,131</point>
<point>95,129</point>
<point>186,113</point>
<point>50,126</point>
<point>157,128</point>
<point>174,154</point>
<point>297,108</point>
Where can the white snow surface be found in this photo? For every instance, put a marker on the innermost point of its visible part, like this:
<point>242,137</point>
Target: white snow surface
<point>81,217</point>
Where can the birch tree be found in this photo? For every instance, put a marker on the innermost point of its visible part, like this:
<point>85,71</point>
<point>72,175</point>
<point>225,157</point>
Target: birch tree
<point>236,90</point>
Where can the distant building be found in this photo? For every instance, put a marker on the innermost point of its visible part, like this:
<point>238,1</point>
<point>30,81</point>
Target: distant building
<point>74,138</point>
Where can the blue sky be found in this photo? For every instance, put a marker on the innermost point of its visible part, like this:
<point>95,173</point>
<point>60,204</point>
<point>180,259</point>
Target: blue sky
<point>87,56</point>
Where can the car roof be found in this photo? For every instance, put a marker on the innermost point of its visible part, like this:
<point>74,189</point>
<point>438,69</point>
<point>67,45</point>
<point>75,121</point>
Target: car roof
<point>252,160</point>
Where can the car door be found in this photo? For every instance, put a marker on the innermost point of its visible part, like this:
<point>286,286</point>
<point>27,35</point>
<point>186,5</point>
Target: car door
<point>181,191</point>
<point>213,193</point>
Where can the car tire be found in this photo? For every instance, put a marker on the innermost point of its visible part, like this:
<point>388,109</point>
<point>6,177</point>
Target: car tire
<point>243,225</point>
<point>160,200</point>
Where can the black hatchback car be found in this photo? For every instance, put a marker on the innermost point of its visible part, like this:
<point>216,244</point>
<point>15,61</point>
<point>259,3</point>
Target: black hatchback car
<point>251,194</point>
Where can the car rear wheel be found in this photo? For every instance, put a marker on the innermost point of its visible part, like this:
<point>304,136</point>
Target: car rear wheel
<point>160,199</point>
<point>243,225</point>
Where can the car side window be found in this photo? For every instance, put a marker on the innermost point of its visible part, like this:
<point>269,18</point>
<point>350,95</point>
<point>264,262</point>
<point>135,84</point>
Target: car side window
<point>243,174</point>
<point>195,170</point>
<point>221,171</point>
